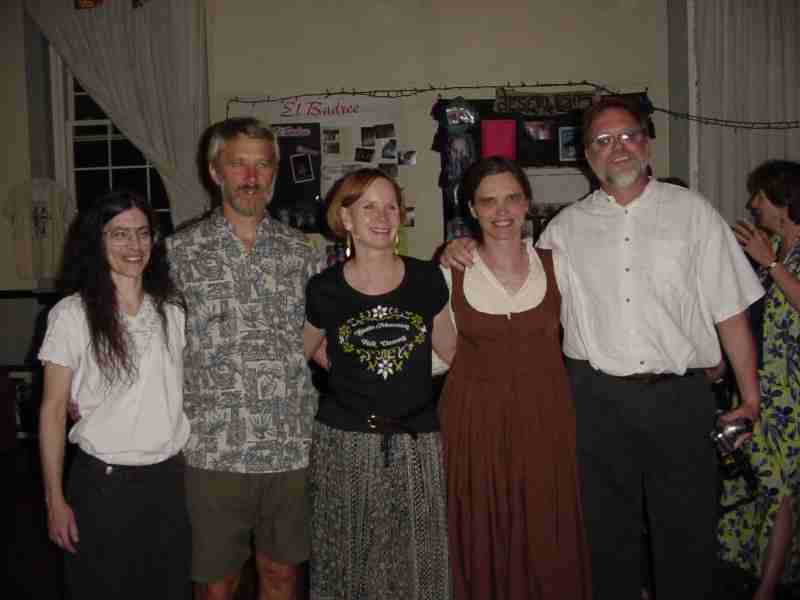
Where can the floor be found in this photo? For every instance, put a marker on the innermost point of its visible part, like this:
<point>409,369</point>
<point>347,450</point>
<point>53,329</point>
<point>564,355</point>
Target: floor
<point>34,564</point>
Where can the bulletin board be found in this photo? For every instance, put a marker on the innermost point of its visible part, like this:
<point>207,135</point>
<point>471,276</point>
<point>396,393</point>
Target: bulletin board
<point>321,139</point>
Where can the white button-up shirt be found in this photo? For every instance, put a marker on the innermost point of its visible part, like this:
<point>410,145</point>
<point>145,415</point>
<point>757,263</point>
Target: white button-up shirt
<point>643,285</point>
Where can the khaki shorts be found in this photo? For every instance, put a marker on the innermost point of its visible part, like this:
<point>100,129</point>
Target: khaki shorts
<point>231,513</point>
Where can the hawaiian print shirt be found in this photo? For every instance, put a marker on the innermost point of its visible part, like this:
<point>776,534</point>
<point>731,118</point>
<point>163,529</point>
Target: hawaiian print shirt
<point>247,388</point>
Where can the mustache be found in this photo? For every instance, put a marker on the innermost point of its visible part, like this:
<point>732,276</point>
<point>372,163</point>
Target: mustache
<point>249,188</point>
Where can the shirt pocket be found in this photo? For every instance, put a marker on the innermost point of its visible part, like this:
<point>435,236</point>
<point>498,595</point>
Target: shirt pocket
<point>672,265</point>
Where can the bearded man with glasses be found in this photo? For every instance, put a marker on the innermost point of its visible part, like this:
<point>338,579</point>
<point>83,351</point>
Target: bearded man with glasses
<point>652,280</point>
<point>651,269</point>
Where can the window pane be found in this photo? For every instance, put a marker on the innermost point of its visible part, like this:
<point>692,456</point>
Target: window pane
<point>123,153</point>
<point>89,185</point>
<point>92,132</point>
<point>91,154</point>
<point>86,108</point>
<point>133,180</point>
<point>158,193</point>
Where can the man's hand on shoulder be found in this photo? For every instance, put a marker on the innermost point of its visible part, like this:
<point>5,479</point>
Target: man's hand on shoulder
<point>457,254</point>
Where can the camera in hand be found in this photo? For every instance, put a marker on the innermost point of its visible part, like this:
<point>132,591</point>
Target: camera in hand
<point>732,461</point>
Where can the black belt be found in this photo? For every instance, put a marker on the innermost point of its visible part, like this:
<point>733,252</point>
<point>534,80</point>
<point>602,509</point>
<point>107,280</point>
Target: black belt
<point>99,467</point>
<point>387,426</point>
<point>648,378</point>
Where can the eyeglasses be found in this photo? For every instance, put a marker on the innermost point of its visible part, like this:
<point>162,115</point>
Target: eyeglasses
<point>606,140</point>
<point>121,235</point>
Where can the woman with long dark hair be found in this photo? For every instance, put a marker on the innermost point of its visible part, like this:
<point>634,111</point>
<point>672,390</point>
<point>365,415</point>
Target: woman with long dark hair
<point>113,350</point>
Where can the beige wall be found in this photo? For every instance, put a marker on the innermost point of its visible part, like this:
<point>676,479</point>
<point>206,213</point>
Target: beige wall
<point>15,166</point>
<point>258,48</point>
<point>16,316</point>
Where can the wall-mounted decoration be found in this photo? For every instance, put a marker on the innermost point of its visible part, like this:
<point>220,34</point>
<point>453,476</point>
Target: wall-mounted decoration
<point>298,197</point>
<point>323,138</point>
<point>532,104</point>
<point>499,138</point>
<point>570,146</point>
<point>537,130</point>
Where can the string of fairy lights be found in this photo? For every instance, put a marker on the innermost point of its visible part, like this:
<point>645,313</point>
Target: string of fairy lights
<point>400,93</point>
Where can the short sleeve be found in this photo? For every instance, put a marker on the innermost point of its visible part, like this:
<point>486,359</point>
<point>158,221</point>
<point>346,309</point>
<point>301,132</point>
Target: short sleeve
<point>560,269</point>
<point>169,246</point>
<point>727,281</point>
<point>317,261</point>
<point>179,319</point>
<point>547,240</point>
<point>440,292</point>
<point>64,341</point>
<point>314,313</point>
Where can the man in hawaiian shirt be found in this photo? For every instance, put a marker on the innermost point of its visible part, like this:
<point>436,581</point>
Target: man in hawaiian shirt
<point>247,388</point>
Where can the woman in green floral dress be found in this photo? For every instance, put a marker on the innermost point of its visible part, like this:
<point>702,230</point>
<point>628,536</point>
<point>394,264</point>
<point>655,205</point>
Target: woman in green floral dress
<point>760,535</point>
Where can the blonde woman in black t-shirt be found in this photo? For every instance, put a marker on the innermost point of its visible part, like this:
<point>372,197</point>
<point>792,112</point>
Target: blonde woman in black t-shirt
<point>376,483</point>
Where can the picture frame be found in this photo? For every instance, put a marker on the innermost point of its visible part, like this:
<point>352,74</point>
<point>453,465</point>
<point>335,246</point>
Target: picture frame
<point>364,154</point>
<point>569,144</point>
<point>302,167</point>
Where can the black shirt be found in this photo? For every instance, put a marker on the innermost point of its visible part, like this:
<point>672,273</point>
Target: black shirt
<point>379,346</point>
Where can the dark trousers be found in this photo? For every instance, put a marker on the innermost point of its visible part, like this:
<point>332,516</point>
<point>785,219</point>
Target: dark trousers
<point>134,531</point>
<point>632,435</point>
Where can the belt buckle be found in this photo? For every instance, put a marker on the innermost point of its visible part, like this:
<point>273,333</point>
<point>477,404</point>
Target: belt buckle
<point>372,424</point>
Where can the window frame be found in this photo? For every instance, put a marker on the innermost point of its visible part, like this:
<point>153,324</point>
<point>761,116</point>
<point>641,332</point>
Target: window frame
<point>63,94</point>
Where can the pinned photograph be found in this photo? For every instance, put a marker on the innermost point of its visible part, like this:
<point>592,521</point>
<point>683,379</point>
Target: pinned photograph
<point>302,169</point>
<point>407,157</point>
<point>409,222</point>
<point>330,135</point>
<point>389,151</point>
<point>568,144</point>
<point>384,131</point>
<point>538,130</point>
<point>368,136</point>
<point>364,154</point>
<point>331,147</point>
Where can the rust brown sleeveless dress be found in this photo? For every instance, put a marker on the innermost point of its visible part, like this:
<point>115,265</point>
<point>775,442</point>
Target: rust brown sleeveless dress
<point>508,428</point>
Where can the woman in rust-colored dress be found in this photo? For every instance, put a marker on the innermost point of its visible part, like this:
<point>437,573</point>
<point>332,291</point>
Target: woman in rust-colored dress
<point>507,417</point>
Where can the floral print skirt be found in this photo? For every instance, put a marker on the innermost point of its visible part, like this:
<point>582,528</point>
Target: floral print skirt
<point>378,517</point>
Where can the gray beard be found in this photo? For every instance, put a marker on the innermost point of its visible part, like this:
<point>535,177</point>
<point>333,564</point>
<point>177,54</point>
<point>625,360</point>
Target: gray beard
<point>627,178</point>
<point>623,180</point>
<point>248,212</point>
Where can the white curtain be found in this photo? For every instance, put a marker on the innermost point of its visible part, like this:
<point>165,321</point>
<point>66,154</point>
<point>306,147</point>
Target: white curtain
<point>147,69</point>
<point>748,69</point>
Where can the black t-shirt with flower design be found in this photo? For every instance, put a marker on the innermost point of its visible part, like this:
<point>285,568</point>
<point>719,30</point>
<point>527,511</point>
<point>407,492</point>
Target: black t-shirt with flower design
<point>379,346</point>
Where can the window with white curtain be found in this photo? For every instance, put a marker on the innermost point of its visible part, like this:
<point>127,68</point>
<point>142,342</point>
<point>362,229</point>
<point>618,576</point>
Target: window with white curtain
<point>92,155</point>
